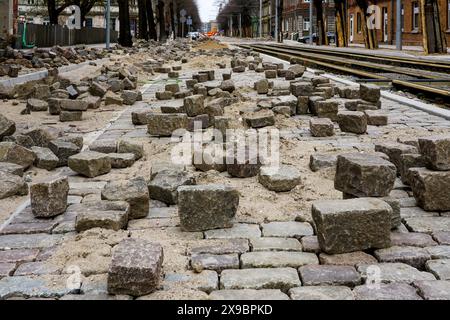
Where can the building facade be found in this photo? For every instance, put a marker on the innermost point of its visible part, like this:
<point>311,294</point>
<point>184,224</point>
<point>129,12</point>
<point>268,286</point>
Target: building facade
<point>411,22</point>
<point>34,11</point>
<point>296,18</point>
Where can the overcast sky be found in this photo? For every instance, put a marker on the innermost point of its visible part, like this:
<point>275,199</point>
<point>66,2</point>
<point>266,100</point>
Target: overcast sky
<point>207,10</point>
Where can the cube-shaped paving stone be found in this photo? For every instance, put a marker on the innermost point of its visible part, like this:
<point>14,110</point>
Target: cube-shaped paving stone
<point>275,244</point>
<point>392,272</point>
<point>414,256</point>
<point>394,150</point>
<point>49,197</point>
<point>329,275</point>
<point>134,191</point>
<point>440,268</point>
<point>430,188</point>
<point>45,158</point>
<point>217,262</point>
<point>352,225</point>
<point>370,92</point>
<point>165,183</point>
<point>325,109</point>
<point>243,163</point>
<point>287,229</point>
<point>7,127</point>
<point>164,95</point>
<point>280,259</point>
<point>301,88</point>
<point>321,127</point>
<point>364,175</point>
<point>413,239</point>
<point>347,259</point>
<point>352,121</point>
<point>262,86</point>
<point>260,278</point>
<point>260,119</point>
<point>11,185</point>
<point>104,146</point>
<point>248,294</point>
<point>436,150</point>
<point>13,153</point>
<point>321,293</point>
<point>206,207</point>
<point>194,105</point>
<point>160,124</point>
<point>279,179</point>
<point>73,105</point>
<point>408,161</point>
<point>63,150</point>
<point>433,290</point>
<point>376,118</point>
<point>121,160</point>
<point>102,214</point>
<point>386,291</point>
<point>90,163</point>
<point>135,268</point>
<point>130,146</point>
<point>238,231</point>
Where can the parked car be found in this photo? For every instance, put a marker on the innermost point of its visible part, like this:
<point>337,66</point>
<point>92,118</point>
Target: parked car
<point>193,35</point>
<point>330,35</point>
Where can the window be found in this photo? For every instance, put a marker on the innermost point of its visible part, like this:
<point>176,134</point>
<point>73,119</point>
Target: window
<point>306,24</point>
<point>358,22</point>
<point>88,23</point>
<point>415,16</point>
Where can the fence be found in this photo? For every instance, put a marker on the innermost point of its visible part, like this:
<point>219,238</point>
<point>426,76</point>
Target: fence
<point>50,35</point>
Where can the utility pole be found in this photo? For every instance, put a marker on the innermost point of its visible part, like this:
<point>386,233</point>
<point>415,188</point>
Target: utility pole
<point>260,17</point>
<point>311,21</point>
<point>398,34</point>
<point>108,21</point>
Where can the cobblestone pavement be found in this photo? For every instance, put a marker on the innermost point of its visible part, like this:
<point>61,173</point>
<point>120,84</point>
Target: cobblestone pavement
<point>271,251</point>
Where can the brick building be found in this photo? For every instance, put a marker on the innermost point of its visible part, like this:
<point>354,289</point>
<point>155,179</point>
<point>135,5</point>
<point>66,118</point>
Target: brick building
<point>296,17</point>
<point>411,22</point>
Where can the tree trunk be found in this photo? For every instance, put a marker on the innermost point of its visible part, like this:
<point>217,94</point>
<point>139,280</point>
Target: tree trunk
<point>434,40</point>
<point>322,38</point>
<point>370,35</point>
<point>341,25</point>
<point>53,12</point>
<point>161,21</point>
<point>151,21</point>
<point>143,31</point>
<point>125,39</point>
<point>280,21</point>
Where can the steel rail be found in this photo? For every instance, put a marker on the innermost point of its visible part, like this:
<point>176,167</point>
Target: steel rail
<point>369,65</point>
<point>443,65</point>
<point>270,50</point>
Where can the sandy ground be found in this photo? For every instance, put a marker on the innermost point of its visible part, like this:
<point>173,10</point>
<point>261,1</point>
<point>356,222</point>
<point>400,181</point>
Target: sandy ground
<point>91,250</point>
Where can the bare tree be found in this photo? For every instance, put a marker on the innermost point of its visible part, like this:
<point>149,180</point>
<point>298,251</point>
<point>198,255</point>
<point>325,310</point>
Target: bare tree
<point>433,35</point>
<point>370,34</point>
<point>125,38</point>
<point>341,23</point>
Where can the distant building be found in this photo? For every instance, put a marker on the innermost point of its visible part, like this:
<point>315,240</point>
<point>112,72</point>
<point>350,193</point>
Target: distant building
<point>411,22</point>
<point>34,11</point>
<point>296,18</point>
